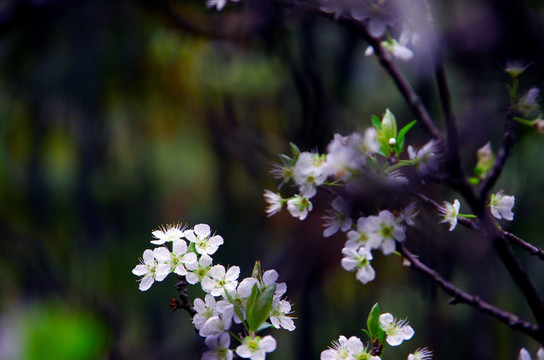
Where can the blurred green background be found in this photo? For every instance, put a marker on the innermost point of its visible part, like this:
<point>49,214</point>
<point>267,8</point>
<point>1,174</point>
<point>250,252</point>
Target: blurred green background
<point>120,116</point>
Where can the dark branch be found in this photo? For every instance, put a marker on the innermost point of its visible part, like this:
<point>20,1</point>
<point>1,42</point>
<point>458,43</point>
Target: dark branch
<point>385,59</point>
<point>522,244</point>
<point>459,296</point>
<point>185,301</point>
<point>502,155</point>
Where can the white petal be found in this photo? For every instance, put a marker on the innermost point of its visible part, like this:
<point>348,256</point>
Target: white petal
<point>202,230</point>
<point>268,343</point>
<point>140,270</point>
<point>146,282</point>
<point>148,257</point>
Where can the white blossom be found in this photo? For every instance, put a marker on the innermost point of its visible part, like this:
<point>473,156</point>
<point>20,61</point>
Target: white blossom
<point>427,159</point>
<point>366,233</point>
<point>388,230</point>
<point>218,348</point>
<point>449,213</point>
<point>279,314</point>
<point>146,269</point>
<point>205,309</point>
<point>168,233</point>
<point>358,259</point>
<point>397,330</point>
<point>255,348</point>
<point>309,173</point>
<point>337,218</point>
<point>198,271</point>
<point>501,205</point>
<point>204,244</point>
<point>299,206</point>
<point>219,280</point>
<point>421,354</point>
<point>347,349</point>
<point>274,201</point>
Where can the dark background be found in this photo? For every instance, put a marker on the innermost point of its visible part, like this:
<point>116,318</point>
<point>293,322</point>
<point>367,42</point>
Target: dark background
<point>120,116</point>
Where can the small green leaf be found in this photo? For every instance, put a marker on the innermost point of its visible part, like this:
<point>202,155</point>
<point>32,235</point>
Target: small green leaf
<point>256,273</point>
<point>381,335</point>
<point>473,180</point>
<point>373,322</point>
<point>250,308</point>
<point>404,130</point>
<point>263,306</point>
<point>264,325</point>
<point>389,125</point>
<point>237,309</point>
<point>295,150</point>
<point>376,122</point>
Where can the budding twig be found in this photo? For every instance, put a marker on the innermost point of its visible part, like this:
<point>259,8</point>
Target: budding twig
<point>459,296</point>
<point>502,155</point>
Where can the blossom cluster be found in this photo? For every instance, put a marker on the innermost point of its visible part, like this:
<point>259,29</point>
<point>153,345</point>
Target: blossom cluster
<point>382,329</point>
<point>370,157</point>
<point>257,302</point>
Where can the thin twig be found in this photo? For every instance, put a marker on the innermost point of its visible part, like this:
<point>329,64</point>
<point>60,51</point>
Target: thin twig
<point>502,155</point>
<point>185,301</point>
<point>384,58</point>
<point>459,296</point>
<point>522,244</point>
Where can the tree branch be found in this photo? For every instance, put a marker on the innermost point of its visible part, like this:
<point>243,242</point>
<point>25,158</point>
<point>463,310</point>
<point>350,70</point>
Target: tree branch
<point>502,155</point>
<point>522,244</point>
<point>384,58</point>
<point>185,301</point>
<point>459,296</point>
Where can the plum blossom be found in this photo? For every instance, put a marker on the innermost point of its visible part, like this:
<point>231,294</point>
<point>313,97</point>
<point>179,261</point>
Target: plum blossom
<point>388,230</point>
<point>279,314</point>
<point>197,271</point>
<point>365,235</point>
<point>426,158</point>
<point>205,309</point>
<point>525,355</point>
<point>255,348</point>
<point>219,280</point>
<point>204,244</point>
<point>168,233</point>
<point>345,348</point>
<point>309,173</point>
<point>218,348</point>
<point>501,205</point>
<point>397,330</point>
<point>450,213</point>
<point>337,218</point>
<point>274,201</point>
<point>358,259</point>
<point>218,324</point>
<point>299,206</point>
<point>146,269</point>
<point>421,354</point>
<point>173,261</point>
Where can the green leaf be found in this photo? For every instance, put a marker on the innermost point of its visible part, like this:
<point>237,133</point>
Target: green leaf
<point>376,122</point>
<point>256,273</point>
<point>373,322</point>
<point>381,336</point>
<point>389,125</point>
<point>404,130</point>
<point>250,308</point>
<point>237,309</point>
<point>264,325</point>
<point>263,306</point>
<point>295,150</point>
